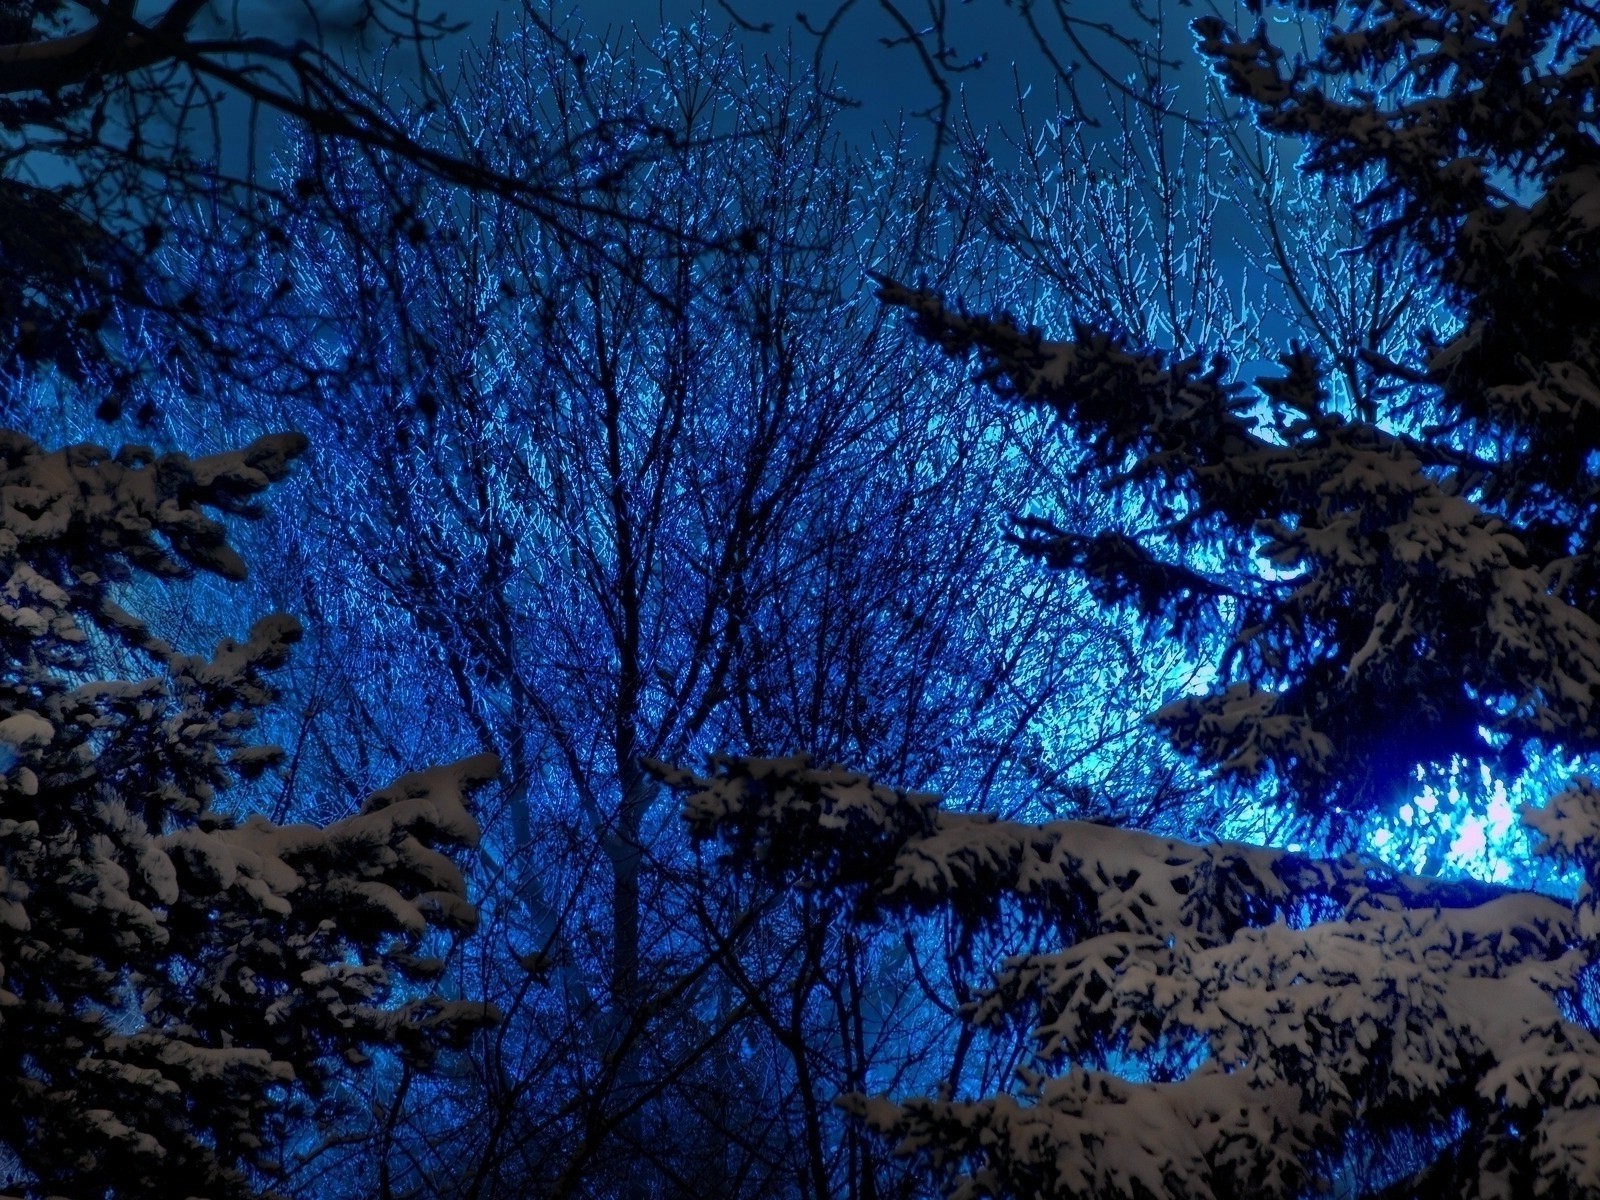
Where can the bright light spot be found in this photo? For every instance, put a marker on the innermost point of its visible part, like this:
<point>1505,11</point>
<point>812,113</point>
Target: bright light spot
<point>1200,681</point>
<point>1471,842</point>
<point>1467,823</point>
<point>1500,814</point>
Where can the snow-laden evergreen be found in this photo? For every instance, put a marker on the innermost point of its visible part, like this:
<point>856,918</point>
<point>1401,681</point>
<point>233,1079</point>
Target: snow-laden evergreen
<point>1283,1005</point>
<point>171,975</point>
<point>1400,575</point>
<point>1400,616</point>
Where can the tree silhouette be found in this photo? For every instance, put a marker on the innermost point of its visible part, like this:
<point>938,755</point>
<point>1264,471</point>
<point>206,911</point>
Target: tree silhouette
<point>1404,574</point>
<point>174,973</point>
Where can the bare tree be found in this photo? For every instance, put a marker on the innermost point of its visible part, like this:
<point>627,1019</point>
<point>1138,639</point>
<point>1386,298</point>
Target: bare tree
<point>116,120</point>
<point>572,503</point>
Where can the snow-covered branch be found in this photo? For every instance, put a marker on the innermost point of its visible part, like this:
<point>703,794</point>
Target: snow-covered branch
<point>1296,1001</point>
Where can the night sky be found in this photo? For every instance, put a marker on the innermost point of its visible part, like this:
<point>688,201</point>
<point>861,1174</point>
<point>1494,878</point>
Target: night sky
<point>889,82</point>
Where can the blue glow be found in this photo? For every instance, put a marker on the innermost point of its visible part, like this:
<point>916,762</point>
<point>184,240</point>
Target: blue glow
<point>1580,1003</point>
<point>1168,1062</point>
<point>1464,823</point>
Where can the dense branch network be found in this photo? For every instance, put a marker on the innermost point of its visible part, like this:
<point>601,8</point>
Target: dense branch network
<point>1399,617</point>
<point>1406,576</point>
<point>1283,1006</point>
<point>169,971</point>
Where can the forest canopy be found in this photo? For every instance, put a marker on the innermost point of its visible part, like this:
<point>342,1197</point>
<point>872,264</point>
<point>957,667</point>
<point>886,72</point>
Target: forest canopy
<point>1047,651</point>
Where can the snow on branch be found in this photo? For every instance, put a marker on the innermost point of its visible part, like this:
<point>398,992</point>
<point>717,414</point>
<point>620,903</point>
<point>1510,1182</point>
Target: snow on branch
<point>1321,997</point>
<point>1379,616</point>
<point>170,973</point>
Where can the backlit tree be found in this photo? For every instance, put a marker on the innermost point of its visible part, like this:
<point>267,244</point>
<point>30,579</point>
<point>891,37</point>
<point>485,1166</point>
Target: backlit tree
<point>175,972</point>
<point>1407,581</point>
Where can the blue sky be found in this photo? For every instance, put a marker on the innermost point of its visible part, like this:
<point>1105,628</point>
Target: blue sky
<point>888,81</point>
